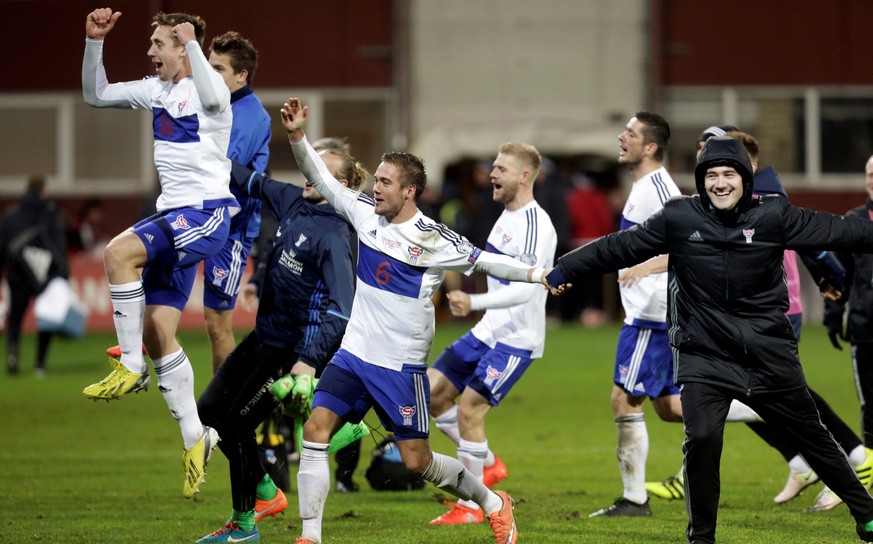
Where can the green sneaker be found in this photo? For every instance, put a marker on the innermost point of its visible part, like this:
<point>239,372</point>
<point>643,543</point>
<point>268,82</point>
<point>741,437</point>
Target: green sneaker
<point>118,383</point>
<point>673,488</point>
<point>232,533</point>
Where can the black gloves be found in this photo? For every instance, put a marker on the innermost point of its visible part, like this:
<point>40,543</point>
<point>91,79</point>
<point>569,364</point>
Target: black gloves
<point>834,323</point>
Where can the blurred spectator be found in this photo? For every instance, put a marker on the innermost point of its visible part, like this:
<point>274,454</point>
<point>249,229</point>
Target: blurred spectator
<point>550,191</point>
<point>33,252</point>
<point>86,232</point>
<point>483,211</point>
<point>590,217</point>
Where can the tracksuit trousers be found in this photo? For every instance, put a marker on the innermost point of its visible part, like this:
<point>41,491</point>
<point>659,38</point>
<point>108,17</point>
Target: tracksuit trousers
<point>793,414</point>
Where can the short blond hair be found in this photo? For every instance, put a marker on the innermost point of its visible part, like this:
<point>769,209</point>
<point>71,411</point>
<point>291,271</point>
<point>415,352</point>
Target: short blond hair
<point>526,153</point>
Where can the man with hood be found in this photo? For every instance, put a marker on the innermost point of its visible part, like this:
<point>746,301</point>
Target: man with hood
<point>727,326</point>
<point>829,275</point>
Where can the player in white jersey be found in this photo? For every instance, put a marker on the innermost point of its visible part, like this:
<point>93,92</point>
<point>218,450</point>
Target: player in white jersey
<point>643,359</point>
<point>402,259</point>
<point>484,364</point>
<point>151,266</point>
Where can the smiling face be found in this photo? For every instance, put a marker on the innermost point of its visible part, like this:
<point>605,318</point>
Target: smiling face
<point>724,187</point>
<point>390,196</point>
<point>168,56</point>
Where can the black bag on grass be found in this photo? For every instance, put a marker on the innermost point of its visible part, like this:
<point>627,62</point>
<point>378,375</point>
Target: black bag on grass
<point>387,472</point>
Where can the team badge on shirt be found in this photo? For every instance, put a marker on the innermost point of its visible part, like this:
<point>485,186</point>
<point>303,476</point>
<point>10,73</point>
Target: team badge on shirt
<point>748,233</point>
<point>464,247</point>
<point>407,412</point>
<point>182,105</point>
<point>300,240</point>
<point>414,253</point>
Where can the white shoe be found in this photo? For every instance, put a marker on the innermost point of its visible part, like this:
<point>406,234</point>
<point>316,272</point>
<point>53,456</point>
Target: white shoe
<point>797,482</point>
<point>826,500</point>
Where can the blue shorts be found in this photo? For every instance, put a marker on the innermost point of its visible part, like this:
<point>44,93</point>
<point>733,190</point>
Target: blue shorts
<point>492,373</point>
<point>176,241</point>
<point>350,386</point>
<point>222,274</point>
<point>644,363</point>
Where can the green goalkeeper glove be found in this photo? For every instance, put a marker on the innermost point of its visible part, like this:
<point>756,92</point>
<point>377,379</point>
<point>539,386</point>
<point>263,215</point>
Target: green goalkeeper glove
<point>296,393</point>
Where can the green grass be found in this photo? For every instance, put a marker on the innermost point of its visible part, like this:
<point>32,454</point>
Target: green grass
<point>80,471</point>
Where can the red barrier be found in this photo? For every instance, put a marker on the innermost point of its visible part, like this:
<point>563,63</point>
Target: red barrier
<point>89,281</point>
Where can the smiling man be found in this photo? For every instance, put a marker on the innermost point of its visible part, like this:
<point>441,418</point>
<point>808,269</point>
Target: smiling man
<point>151,266</point>
<point>484,365</point>
<point>381,364</point>
<point>726,319</point>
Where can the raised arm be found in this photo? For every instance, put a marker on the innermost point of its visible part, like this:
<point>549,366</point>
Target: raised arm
<point>294,116</point>
<point>214,95</point>
<point>94,82</point>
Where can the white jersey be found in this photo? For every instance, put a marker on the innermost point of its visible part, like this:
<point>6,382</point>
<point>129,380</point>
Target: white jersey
<point>400,267</point>
<point>190,143</point>
<point>515,313</point>
<point>645,303</point>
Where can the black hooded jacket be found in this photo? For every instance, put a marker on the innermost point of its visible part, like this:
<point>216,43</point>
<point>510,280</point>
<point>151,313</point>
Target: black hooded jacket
<point>727,295</point>
<point>32,243</point>
<point>858,292</point>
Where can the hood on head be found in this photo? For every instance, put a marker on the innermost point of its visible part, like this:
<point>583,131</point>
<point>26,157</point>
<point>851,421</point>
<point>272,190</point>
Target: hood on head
<point>718,130</point>
<point>725,151</point>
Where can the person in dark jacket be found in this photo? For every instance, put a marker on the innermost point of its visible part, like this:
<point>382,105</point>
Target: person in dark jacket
<point>858,329</point>
<point>305,300</point>
<point>829,275</point>
<point>347,458</point>
<point>33,252</point>
<point>726,317</point>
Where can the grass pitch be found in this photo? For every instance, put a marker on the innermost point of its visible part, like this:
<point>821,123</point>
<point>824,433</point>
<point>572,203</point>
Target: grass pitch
<point>79,471</point>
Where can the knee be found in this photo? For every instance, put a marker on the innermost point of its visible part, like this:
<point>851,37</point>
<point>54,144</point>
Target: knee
<point>216,328</point>
<point>417,464</point>
<point>669,412</point>
<point>316,431</point>
<point>469,418</point>
<point>115,254</point>
<point>707,437</point>
<point>440,404</point>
